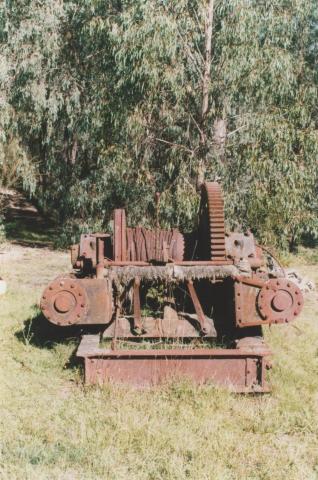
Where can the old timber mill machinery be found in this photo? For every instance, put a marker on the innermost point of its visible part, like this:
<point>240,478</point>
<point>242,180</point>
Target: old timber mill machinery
<point>162,298</point>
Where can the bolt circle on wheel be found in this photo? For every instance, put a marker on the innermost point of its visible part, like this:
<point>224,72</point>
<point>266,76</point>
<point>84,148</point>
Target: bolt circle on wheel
<point>279,301</point>
<point>64,301</point>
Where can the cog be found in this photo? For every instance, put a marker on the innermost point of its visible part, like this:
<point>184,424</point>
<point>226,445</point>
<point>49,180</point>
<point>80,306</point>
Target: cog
<point>211,223</point>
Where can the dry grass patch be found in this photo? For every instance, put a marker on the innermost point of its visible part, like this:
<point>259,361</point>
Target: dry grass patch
<point>52,427</point>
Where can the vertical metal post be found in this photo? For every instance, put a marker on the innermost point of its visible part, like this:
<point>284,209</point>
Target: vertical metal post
<point>100,259</point>
<point>137,310</point>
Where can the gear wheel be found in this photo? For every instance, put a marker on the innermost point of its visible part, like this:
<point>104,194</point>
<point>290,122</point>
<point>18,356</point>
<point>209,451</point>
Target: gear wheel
<point>211,223</point>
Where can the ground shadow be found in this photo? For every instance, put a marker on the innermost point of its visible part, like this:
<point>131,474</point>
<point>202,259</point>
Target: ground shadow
<point>39,332</point>
<point>25,224</point>
<point>30,232</point>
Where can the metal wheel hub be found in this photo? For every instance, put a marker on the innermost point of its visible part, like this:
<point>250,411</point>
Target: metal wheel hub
<point>64,301</point>
<point>280,300</point>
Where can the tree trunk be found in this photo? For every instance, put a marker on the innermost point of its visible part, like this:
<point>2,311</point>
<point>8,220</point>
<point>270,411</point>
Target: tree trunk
<point>205,88</point>
<point>207,63</point>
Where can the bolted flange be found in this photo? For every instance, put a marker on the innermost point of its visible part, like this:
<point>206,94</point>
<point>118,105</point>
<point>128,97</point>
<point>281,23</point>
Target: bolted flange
<point>64,301</point>
<point>279,301</point>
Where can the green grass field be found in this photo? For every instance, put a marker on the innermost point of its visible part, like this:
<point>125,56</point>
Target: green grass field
<point>52,427</point>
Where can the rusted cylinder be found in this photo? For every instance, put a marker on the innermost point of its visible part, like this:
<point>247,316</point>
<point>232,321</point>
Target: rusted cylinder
<point>80,301</point>
<point>158,245</point>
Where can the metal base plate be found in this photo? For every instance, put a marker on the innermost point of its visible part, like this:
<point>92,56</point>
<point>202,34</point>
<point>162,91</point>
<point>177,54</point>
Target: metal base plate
<point>241,370</point>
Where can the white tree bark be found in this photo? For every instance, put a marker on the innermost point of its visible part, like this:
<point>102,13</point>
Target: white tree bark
<point>208,58</point>
<point>206,84</point>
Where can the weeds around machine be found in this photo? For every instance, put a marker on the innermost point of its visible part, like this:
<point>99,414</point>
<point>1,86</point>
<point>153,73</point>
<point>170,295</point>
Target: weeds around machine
<point>174,305</point>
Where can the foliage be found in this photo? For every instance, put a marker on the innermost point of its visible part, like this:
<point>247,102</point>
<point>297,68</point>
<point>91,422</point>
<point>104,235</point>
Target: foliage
<point>17,168</point>
<point>104,103</point>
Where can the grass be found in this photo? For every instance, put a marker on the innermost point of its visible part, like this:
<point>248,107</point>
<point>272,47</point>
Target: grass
<point>165,343</point>
<point>30,234</point>
<point>24,224</point>
<point>52,427</point>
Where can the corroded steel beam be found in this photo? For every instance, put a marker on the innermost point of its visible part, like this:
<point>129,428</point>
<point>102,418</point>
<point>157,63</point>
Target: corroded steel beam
<point>241,370</point>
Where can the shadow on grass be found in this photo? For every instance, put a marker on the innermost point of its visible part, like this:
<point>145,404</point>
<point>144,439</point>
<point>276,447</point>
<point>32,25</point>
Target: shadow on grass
<point>25,224</point>
<point>29,232</point>
<point>39,332</point>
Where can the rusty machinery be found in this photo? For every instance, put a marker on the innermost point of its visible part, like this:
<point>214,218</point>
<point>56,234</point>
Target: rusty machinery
<point>162,298</point>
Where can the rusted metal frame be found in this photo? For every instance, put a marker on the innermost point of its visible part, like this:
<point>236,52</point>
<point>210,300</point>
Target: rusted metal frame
<point>136,301</point>
<point>100,259</point>
<point>181,352</point>
<point>109,263</point>
<point>120,247</point>
<point>117,313</point>
<point>251,365</point>
<point>89,347</point>
<point>156,328</point>
<point>241,370</point>
<point>252,281</point>
<point>239,308</point>
<point>265,318</point>
<point>265,365</point>
<point>197,307</point>
<point>141,372</point>
<point>204,262</point>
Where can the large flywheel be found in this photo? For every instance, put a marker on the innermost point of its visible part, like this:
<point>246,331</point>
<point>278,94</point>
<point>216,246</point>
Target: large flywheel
<point>211,238</point>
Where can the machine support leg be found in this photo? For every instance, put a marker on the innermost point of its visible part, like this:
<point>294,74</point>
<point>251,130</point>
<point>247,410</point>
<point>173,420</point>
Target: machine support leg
<point>117,312</point>
<point>137,310</point>
<point>197,307</point>
<point>100,259</point>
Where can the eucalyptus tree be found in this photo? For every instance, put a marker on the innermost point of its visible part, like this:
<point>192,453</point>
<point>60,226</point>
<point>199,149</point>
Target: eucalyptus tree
<point>113,101</point>
<point>258,132</point>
